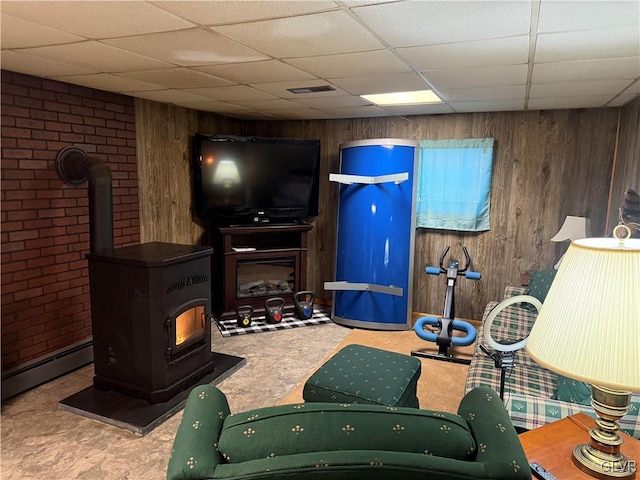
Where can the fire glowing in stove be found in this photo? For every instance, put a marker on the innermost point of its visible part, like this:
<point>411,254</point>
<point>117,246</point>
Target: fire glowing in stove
<point>190,324</point>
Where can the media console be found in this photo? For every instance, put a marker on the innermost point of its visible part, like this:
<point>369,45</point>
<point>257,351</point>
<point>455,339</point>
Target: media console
<point>252,263</point>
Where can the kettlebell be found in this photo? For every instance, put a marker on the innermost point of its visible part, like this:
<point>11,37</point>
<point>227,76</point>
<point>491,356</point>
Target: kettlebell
<point>243,315</point>
<point>273,309</point>
<point>303,303</point>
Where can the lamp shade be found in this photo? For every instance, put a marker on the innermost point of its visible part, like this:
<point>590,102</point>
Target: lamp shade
<point>573,228</point>
<point>589,326</point>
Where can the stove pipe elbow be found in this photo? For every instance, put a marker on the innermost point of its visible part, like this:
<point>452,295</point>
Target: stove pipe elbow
<point>74,167</point>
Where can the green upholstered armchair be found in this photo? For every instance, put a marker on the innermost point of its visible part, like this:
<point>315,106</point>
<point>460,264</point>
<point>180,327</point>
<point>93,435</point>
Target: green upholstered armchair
<point>346,441</point>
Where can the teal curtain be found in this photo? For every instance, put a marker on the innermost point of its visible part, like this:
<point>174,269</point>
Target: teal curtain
<point>454,184</point>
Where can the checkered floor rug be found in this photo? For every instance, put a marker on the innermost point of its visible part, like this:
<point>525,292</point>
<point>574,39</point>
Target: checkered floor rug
<point>229,328</point>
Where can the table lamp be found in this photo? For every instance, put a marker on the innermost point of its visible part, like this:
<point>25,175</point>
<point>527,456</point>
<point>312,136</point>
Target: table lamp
<point>573,228</point>
<point>588,329</point>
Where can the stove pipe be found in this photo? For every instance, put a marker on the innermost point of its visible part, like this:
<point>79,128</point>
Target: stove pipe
<point>74,167</point>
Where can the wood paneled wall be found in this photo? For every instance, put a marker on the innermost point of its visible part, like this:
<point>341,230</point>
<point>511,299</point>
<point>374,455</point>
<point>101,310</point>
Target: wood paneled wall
<point>547,164</point>
<point>626,169</point>
<point>163,135</point>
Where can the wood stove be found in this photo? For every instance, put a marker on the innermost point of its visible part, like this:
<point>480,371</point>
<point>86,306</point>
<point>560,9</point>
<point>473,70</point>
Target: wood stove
<point>151,309</point>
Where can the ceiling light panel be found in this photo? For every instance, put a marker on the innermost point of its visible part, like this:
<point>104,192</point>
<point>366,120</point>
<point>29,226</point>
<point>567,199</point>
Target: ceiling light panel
<point>97,19</point>
<point>351,64</point>
<point>222,13</point>
<point>408,24</point>
<point>309,35</point>
<point>188,48</point>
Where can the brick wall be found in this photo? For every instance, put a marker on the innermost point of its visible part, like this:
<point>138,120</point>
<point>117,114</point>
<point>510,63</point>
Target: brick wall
<point>45,230</point>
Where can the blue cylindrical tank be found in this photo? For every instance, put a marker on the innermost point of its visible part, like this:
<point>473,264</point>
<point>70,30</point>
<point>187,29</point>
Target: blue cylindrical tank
<point>375,235</point>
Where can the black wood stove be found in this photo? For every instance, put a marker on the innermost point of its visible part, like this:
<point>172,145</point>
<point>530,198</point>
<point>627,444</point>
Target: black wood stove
<point>150,310</point>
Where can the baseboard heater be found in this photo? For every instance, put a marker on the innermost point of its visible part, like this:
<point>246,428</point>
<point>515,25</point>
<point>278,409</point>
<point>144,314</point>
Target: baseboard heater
<point>45,369</point>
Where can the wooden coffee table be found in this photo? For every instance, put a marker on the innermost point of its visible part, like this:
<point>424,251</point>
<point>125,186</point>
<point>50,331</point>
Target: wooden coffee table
<point>552,445</point>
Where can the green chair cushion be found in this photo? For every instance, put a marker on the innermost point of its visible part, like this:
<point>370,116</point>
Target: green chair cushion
<point>540,282</point>
<point>325,427</point>
<point>366,375</point>
<point>573,391</point>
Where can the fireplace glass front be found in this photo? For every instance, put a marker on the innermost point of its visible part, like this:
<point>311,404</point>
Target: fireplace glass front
<point>258,277</point>
<point>189,324</point>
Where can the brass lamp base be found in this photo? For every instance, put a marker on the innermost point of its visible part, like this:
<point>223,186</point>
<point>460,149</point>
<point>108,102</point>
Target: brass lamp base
<point>601,458</point>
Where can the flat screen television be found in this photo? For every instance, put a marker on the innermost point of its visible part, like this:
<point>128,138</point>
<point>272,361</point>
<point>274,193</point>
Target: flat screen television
<point>242,179</point>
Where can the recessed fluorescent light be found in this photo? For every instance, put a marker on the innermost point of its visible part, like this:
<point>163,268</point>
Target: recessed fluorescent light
<point>403,98</point>
<point>321,88</point>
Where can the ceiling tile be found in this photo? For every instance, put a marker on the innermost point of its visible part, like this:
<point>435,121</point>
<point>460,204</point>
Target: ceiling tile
<point>188,47</point>
<point>19,33</point>
<point>414,23</point>
<point>355,112</point>
<point>99,19</point>
<point>484,94</point>
<point>489,106</point>
<point>555,103</point>
<point>586,45</point>
<point>230,94</point>
<point>214,106</point>
<point>279,89</point>
<point>579,89</point>
<point>225,12</point>
<point>303,114</point>
<point>351,64</point>
<point>96,56</point>
<point>108,82</point>
<point>585,70</point>
<point>177,78</point>
<point>343,101</point>
<point>558,16</point>
<point>400,82</point>
<point>499,51</point>
<point>256,72</point>
<point>309,35</point>
<point>38,66</point>
<point>427,109</point>
<point>621,100</point>
<point>478,77</point>
<point>269,105</point>
<point>171,96</point>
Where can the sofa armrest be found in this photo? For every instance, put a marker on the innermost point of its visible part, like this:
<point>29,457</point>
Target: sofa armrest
<point>194,454</point>
<point>498,445</point>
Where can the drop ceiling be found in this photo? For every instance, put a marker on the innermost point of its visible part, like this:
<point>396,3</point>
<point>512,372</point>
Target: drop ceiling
<point>241,58</point>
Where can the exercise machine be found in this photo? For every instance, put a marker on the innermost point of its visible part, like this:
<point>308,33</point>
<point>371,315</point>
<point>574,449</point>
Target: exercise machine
<point>446,324</point>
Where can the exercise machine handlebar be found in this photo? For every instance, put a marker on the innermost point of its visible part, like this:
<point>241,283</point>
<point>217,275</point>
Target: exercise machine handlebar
<point>454,268</point>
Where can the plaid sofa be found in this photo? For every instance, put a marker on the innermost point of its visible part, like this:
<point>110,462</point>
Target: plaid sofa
<point>529,388</point>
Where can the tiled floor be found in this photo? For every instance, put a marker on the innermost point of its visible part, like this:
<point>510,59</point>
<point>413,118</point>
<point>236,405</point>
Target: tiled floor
<point>39,441</point>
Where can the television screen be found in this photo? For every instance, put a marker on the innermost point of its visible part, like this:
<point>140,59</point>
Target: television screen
<point>255,179</point>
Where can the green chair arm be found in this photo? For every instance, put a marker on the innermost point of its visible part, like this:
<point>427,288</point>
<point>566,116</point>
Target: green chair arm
<point>499,447</point>
<point>194,454</point>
